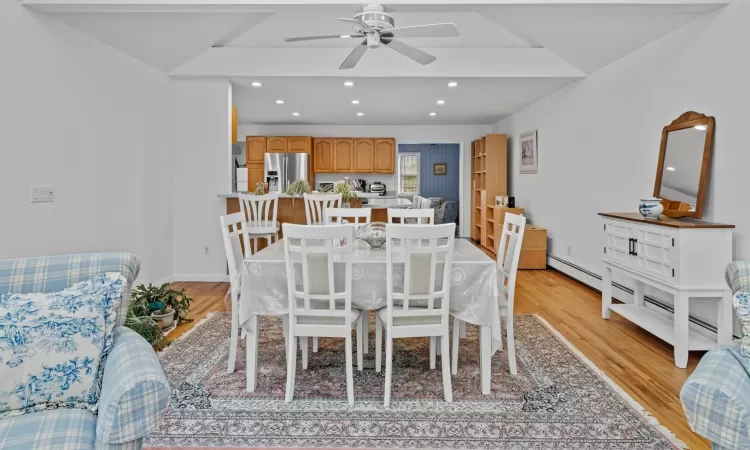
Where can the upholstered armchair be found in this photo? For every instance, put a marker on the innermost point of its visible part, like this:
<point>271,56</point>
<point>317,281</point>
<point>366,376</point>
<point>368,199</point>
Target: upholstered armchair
<point>716,396</point>
<point>135,393</point>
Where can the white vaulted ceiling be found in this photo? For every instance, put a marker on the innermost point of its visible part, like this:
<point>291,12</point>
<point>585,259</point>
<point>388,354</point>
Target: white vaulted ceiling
<point>509,54</point>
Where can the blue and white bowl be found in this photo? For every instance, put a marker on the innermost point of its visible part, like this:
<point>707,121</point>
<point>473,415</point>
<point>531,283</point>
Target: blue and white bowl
<point>651,208</point>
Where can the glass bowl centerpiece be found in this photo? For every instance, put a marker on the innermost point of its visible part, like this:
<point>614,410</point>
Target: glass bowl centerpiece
<point>373,233</point>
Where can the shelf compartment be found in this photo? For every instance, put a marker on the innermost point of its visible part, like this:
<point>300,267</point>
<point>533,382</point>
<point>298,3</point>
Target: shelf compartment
<point>660,326</point>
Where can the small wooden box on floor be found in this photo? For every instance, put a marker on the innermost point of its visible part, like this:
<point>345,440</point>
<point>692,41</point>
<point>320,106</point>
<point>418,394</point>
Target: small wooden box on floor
<point>534,248</point>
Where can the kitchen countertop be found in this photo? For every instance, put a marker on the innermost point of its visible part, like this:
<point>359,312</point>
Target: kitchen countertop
<point>237,194</point>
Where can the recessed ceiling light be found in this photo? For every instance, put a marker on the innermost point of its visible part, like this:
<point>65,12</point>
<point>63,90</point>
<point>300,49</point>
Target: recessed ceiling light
<point>348,83</point>
<point>433,114</point>
<point>452,84</point>
<point>671,169</point>
<point>441,102</point>
<point>700,127</point>
<point>295,114</point>
<point>257,84</point>
<point>360,114</point>
<point>355,102</point>
<point>279,102</point>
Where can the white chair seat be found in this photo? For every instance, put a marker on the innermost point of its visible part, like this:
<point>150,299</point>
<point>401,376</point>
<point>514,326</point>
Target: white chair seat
<point>326,320</point>
<point>263,228</point>
<point>398,321</point>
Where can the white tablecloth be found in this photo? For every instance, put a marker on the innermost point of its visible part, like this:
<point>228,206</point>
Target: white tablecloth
<point>473,295</point>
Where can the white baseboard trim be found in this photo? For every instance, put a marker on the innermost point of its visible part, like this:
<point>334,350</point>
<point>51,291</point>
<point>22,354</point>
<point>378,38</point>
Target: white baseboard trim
<point>205,278</point>
<point>164,280</point>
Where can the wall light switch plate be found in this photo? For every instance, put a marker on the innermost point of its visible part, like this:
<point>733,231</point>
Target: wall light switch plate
<point>42,194</point>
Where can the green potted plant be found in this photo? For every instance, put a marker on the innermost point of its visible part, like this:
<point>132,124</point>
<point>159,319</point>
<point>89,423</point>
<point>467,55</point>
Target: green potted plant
<point>297,189</point>
<point>346,191</point>
<point>163,304</point>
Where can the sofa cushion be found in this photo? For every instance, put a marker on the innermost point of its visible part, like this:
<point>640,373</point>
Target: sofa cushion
<point>57,429</point>
<point>742,308</point>
<point>53,346</point>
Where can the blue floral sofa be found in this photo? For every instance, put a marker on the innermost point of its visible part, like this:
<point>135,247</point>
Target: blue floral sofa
<point>135,393</point>
<point>716,396</point>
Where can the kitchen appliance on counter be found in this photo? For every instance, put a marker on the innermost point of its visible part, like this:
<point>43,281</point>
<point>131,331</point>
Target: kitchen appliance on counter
<point>326,186</point>
<point>377,187</point>
<point>361,184</point>
<point>283,169</point>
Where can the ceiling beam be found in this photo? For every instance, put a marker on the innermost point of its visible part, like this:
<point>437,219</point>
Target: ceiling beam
<point>382,62</point>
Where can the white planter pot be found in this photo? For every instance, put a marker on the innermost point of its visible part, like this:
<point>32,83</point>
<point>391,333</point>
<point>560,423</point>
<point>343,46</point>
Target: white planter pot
<point>165,320</point>
<point>651,208</point>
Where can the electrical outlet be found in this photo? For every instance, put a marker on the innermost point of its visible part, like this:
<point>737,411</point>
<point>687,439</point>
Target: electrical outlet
<point>570,250</point>
<point>42,194</point>
<point>206,250</point>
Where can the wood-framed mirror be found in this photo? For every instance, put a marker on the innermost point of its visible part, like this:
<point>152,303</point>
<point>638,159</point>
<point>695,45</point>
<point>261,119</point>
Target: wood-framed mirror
<point>684,161</point>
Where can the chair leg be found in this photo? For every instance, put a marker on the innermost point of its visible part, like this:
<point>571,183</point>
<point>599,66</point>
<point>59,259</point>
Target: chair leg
<point>291,365</point>
<point>285,327</point>
<point>433,352</point>
<point>438,346</point>
<point>315,344</point>
<point>511,346</point>
<point>500,329</point>
<point>233,340</point>
<point>454,354</point>
<point>251,342</point>
<point>366,338</point>
<point>462,329</point>
<point>445,363</point>
<point>388,368</point>
<point>378,343</point>
<point>349,371</point>
<point>360,339</point>
<point>255,245</point>
<point>303,344</point>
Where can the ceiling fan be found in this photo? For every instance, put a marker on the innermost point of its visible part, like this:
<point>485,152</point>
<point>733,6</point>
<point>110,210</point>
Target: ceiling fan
<point>377,27</point>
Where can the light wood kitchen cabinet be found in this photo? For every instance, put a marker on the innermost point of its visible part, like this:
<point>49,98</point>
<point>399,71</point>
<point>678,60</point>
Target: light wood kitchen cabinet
<point>255,150</point>
<point>277,144</point>
<point>384,156</point>
<point>343,155</point>
<point>234,124</point>
<point>299,144</point>
<point>363,154</point>
<point>323,156</point>
<point>255,175</point>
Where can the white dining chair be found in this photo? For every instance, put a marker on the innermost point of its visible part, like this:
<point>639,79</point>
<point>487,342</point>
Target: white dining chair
<point>316,205</point>
<point>261,213</point>
<point>417,216</point>
<point>508,255</point>
<point>359,216</point>
<point>318,305</point>
<point>417,306</point>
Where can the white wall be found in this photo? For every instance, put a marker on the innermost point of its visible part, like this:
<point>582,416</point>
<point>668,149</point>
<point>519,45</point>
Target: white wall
<point>202,112</point>
<point>404,134</point>
<point>599,138</point>
<point>89,120</point>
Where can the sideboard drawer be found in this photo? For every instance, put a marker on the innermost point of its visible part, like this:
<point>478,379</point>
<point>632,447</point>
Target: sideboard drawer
<point>643,248</point>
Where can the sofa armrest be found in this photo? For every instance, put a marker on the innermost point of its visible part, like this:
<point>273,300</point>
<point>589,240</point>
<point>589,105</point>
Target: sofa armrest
<point>716,397</point>
<point>737,275</point>
<point>135,393</point>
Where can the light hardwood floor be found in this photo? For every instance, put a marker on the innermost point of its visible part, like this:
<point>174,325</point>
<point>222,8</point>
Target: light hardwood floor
<point>638,362</point>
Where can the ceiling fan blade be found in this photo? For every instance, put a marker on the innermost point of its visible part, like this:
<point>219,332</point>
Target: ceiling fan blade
<point>361,24</point>
<point>426,31</point>
<point>354,56</point>
<point>329,36</point>
<point>416,54</point>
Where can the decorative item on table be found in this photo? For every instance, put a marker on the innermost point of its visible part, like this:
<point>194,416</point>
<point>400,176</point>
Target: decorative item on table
<point>651,208</point>
<point>501,200</point>
<point>347,192</point>
<point>440,169</point>
<point>529,155</point>
<point>373,233</point>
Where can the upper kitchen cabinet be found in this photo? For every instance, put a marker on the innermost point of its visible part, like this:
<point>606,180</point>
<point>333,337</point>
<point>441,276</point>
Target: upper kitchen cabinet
<point>343,155</point>
<point>234,125</point>
<point>299,144</point>
<point>255,149</point>
<point>277,144</point>
<point>323,156</point>
<point>384,156</point>
<point>363,154</point>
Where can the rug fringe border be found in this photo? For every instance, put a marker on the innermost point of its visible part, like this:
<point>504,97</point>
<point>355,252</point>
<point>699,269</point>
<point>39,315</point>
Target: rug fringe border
<point>188,332</point>
<point>674,440</point>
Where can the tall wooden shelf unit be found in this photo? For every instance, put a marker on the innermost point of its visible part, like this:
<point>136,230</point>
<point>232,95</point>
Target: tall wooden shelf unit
<point>489,178</point>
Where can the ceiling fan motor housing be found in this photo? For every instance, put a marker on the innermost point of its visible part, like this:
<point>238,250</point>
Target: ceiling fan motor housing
<point>374,16</point>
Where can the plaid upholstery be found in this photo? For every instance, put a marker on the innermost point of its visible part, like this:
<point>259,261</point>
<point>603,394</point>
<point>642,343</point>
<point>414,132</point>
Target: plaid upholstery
<point>716,398</point>
<point>738,276</point>
<point>135,393</point>
<point>55,273</point>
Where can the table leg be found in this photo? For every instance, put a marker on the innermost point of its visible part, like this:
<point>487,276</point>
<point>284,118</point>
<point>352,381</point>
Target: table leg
<point>681,328</point>
<point>725,316</point>
<point>606,292</point>
<point>485,358</point>
<point>251,344</point>
<point>438,350</point>
<point>366,331</point>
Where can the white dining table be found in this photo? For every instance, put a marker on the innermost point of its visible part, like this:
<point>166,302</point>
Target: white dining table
<point>473,292</point>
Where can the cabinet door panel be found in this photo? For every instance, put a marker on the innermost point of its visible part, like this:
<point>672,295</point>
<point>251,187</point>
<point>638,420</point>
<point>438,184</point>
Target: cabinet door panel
<point>384,156</point>
<point>323,156</point>
<point>342,155</point>
<point>255,150</point>
<point>363,154</point>
<point>234,125</point>
<point>255,175</point>
<point>655,253</point>
<point>618,243</point>
<point>276,144</point>
<point>299,144</point>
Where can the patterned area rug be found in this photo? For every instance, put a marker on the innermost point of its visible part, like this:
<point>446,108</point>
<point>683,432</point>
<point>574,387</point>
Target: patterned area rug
<point>558,400</point>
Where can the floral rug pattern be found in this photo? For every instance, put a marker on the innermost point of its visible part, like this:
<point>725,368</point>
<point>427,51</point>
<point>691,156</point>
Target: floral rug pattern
<point>555,402</point>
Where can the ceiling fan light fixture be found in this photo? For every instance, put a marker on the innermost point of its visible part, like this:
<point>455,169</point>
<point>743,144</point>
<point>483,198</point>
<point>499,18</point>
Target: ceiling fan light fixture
<point>452,84</point>
<point>256,84</point>
<point>279,102</point>
<point>348,83</point>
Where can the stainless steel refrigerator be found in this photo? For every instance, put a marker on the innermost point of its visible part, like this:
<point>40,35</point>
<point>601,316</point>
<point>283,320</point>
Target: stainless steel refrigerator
<point>283,169</point>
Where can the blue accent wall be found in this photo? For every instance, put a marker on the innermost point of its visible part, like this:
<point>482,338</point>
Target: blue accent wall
<point>445,186</point>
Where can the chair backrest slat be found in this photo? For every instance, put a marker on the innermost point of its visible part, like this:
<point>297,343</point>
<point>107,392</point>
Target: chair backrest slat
<point>316,205</point>
<point>335,215</point>
<point>421,216</point>
<point>232,230</point>
<point>508,255</point>
<point>260,213</point>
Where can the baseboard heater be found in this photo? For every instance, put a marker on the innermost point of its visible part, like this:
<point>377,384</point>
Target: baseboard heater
<point>651,300</point>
